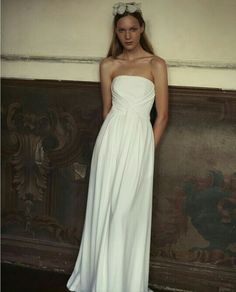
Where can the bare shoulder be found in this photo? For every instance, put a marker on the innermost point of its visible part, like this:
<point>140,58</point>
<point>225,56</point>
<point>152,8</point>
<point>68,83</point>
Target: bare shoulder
<point>107,63</point>
<point>106,67</point>
<point>158,64</point>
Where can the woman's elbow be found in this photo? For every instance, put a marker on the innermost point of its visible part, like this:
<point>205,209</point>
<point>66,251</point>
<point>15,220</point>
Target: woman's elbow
<point>163,118</point>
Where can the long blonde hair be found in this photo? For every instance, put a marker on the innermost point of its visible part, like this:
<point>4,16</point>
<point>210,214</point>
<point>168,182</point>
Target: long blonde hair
<point>116,47</point>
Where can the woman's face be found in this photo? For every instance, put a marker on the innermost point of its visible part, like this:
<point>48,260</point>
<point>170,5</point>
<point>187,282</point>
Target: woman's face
<point>128,31</point>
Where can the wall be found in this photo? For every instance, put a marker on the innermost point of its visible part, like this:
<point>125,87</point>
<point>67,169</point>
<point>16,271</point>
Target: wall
<point>65,40</point>
<point>49,129</point>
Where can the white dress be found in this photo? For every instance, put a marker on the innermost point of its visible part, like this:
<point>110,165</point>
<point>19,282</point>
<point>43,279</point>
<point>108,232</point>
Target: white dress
<point>115,245</point>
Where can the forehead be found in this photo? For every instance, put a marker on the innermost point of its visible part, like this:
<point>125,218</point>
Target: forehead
<point>127,21</point>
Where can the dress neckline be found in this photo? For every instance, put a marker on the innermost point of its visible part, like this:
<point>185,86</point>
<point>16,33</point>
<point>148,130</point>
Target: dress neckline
<point>136,76</point>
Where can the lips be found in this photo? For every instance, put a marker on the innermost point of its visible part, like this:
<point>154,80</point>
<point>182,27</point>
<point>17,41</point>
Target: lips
<point>128,43</point>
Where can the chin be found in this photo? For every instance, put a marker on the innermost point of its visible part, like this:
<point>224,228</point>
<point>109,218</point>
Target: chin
<point>130,48</point>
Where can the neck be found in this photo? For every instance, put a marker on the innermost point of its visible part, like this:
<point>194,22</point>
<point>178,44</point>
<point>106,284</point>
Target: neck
<point>133,54</point>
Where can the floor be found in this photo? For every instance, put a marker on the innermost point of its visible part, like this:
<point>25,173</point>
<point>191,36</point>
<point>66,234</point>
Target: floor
<point>22,279</point>
<point>16,278</point>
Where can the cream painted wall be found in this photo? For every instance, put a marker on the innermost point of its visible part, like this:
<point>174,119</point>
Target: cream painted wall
<point>58,39</point>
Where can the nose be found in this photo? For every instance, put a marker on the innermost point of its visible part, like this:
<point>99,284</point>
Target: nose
<point>127,35</point>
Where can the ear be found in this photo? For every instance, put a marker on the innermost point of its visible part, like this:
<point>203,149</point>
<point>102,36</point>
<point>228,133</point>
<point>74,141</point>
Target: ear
<point>142,28</point>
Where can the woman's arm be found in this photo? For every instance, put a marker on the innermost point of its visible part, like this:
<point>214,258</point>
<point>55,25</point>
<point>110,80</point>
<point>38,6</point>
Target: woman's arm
<point>159,71</point>
<point>106,79</point>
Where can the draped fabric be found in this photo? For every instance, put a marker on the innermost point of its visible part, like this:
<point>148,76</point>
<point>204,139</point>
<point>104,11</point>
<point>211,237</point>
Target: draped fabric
<point>115,245</point>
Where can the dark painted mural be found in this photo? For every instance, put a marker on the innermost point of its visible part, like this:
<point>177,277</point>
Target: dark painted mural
<point>208,207</point>
<point>211,206</point>
<point>48,133</point>
<point>47,145</point>
<point>194,204</point>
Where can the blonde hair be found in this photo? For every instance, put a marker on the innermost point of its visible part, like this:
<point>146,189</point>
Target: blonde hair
<point>116,47</point>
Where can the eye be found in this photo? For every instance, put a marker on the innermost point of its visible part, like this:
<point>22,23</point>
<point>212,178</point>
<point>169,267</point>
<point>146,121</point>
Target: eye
<point>133,29</point>
<point>120,30</point>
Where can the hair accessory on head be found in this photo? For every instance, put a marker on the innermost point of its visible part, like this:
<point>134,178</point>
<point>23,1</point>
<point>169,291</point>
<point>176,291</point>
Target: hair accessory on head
<point>121,8</point>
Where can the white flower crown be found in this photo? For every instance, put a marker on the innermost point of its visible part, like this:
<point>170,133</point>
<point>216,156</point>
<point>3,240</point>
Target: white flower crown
<point>121,8</point>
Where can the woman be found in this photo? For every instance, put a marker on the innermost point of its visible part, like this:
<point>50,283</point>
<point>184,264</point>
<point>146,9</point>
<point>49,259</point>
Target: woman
<point>115,246</point>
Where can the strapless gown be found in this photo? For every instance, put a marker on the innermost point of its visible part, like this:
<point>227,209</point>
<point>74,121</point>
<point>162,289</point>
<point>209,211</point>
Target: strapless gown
<point>115,245</point>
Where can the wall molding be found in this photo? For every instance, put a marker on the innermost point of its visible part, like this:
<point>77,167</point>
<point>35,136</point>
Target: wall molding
<point>191,277</point>
<point>96,60</point>
<point>173,276</point>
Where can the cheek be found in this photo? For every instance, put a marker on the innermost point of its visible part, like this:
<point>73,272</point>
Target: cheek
<point>120,36</point>
<point>117,35</point>
<point>137,36</point>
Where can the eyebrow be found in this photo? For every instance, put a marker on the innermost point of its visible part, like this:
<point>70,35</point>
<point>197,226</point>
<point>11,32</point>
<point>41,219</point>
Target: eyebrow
<point>134,26</point>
